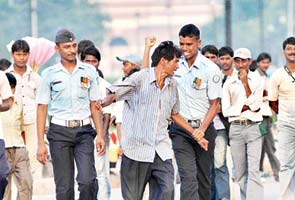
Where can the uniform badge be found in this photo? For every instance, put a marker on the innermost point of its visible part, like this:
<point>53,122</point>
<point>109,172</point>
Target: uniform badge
<point>216,78</point>
<point>197,82</point>
<point>84,82</point>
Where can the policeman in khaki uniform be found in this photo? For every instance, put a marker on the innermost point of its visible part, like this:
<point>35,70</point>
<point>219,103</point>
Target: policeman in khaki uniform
<point>71,88</point>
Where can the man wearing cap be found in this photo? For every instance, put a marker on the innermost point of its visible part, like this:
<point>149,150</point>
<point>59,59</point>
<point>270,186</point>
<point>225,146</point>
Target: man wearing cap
<point>241,103</point>
<point>71,88</point>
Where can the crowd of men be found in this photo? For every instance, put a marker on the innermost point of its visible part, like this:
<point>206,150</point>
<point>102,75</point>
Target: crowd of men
<point>189,104</point>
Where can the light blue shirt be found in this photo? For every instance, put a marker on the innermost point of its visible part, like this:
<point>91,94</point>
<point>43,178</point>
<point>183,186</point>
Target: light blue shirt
<point>197,85</point>
<point>147,110</point>
<point>69,97</point>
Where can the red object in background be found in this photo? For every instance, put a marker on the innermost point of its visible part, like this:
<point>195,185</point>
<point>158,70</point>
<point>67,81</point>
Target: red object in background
<point>113,137</point>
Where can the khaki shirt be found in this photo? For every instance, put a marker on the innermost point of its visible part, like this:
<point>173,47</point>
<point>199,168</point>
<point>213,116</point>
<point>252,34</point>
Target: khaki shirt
<point>25,93</point>
<point>282,89</point>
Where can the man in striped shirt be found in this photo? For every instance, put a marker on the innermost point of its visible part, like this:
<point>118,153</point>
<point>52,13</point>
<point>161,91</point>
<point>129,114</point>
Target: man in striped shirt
<point>151,100</point>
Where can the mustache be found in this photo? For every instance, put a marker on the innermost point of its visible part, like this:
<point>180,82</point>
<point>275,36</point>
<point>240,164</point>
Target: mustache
<point>291,54</point>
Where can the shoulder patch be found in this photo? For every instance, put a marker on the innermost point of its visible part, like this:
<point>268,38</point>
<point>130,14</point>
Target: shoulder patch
<point>216,78</point>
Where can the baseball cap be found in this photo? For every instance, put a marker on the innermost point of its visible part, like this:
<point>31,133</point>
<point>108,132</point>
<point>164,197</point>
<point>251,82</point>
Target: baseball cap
<point>243,53</point>
<point>63,36</point>
<point>132,58</point>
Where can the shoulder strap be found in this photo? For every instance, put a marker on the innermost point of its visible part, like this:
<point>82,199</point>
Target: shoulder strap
<point>289,73</point>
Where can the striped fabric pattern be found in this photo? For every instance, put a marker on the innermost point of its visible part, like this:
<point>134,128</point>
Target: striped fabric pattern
<point>146,113</point>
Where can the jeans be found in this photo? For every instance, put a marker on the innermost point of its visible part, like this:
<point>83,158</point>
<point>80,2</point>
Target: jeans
<point>286,152</point>
<point>103,174</point>
<point>220,165</point>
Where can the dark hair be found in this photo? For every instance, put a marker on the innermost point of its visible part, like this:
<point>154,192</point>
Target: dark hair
<point>11,79</point>
<point>83,44</point>
<point>165,50</point>
<point>4,64</point>
<point>20,45</point>
<point>189,30</point>
<point>210,49</point>
<point>289,40</point>
<point>263,56</point>
<point>253,66</point>
<point>100,74</point>
<point>226,51</point>
<point>92,50</point>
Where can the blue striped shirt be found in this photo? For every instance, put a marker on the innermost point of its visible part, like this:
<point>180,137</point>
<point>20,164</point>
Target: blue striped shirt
<point>146,113</point>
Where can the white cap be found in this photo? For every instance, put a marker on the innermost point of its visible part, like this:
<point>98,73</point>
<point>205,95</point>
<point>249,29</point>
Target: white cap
<point>243,53</point>
<point>132,58</point>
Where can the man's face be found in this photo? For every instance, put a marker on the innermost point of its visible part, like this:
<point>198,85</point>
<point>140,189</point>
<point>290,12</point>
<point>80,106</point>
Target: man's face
<point>289,53</point>
<point>171,66</point>
<point>189,47</point>
<point>226,62</point>
<point>264,64</point>
<point>242,64</point>
<point>211,57</point>
<point>92,60</point>
<point>20,58</point>
<point>67,51</point>
<point>127,67</point>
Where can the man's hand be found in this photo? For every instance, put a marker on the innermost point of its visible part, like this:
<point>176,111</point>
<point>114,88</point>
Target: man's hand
<point>100,145</point>
<point>99,104</point>
<point>204,144</point>
<point>150,41</point>
<point>243,76</point>
<point>198,134</point>
<point>42,153</point>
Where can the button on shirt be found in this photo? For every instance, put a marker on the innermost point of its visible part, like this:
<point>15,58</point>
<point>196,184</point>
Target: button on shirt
<point>234,98</point>
<point>5,93</point>
<point>69,94</point>
<point>25,93</point>
<point>282,89</point>
<point>147,110</point>
<point>197,85</point>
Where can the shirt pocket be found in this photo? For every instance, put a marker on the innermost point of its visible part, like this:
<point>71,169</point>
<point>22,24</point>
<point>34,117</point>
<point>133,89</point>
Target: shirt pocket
<point>30,90</point>
<point>200,92</point>
<point>58,88</point>
<point>83,91</point>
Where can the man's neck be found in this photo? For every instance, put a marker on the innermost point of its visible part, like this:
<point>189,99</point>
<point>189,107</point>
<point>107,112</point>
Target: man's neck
<point>160,77</point>
<point>19,70</point>
<point>69,66</point>
<point>228,72</point>
<point>291,66</point>
<point>191,61</point>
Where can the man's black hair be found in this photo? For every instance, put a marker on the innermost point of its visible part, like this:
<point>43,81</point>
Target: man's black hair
<point>165,50</point>
<point>263,56</point>
<point>253,66</point>
<point>20,45</point>
<point>83,44</point>
<point>4,64</point>
<point>226,51</point>
<point>92,50</point>
<point>210,49</point>
<point>11,79</point>
<point>289,40</point>
<point>189,30</point>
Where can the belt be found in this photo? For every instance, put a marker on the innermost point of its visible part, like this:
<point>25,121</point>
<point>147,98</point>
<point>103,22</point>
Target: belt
<point>70,123</point>
<point>243,122</point>
<point>194,123</point>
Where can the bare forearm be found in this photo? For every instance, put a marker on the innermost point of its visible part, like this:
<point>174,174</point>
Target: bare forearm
<point>247,89</point>
<point>106,124</point>
<point>213,110</point>
<point>180,121</point>
<point>109,99</point>
<point>274,106</point>
<point>96,117</point>
<point>41,122</point>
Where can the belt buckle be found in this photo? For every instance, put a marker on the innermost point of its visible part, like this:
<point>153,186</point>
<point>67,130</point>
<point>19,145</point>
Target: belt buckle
<point>195,123</point>
<point>73,123</point>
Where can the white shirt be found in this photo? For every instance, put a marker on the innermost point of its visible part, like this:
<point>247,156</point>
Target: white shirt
<point>5,93</point>
<point>282,89</point>
<point>102,88</point>
<point>234,98</point>
<point>265,108</point>
<point>25,93</point>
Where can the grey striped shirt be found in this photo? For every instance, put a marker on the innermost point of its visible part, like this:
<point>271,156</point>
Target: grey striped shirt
<point>147,110</point>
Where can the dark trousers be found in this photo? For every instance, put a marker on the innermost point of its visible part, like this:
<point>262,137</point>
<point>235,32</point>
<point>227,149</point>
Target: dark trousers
<point>4,169</point>
<point>66,145</point>
<point>268,147</point>
<point>135,175</point>
<point>194,163</point>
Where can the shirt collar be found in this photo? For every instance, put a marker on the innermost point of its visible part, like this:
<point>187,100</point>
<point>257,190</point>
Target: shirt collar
<point>152,77</point>
<point>197,63</point>
<point>11,69</point>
